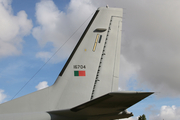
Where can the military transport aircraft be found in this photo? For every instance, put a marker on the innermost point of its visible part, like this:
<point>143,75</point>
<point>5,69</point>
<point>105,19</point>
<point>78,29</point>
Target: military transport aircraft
<point>87,86</point>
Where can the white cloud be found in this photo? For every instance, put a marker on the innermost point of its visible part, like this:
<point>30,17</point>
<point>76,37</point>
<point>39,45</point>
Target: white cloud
<point>45,56</point>
<point>42,85</point>
<point>127,71</point>
<point>13,29</point>
<point>167,113</point>
<point>56,26</point>
<point>151,43</point>
<point>2,96</point>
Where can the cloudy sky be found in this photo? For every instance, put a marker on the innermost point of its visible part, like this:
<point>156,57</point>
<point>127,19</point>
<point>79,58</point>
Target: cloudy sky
<point>32,31</point>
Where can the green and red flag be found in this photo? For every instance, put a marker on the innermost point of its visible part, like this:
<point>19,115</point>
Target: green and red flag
<point>79,73</point>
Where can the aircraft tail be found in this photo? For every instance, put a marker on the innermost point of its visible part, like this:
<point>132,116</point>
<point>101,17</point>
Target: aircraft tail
<point>92,69</point>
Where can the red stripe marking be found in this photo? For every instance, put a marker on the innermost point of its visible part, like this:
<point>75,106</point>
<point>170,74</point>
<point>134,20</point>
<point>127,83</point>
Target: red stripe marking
<point>82,73</point>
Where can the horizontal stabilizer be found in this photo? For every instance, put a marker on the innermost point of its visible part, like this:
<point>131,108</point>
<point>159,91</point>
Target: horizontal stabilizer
<point>109,106</point>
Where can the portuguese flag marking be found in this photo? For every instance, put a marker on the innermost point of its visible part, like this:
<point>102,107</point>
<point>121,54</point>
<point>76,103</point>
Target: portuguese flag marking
<point>79,73</point>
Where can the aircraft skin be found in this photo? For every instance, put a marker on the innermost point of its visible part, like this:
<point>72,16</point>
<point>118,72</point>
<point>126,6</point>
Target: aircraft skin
<point>87,86</point>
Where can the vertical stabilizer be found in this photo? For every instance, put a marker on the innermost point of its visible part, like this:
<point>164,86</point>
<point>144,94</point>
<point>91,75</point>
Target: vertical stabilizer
<point>92,69</point>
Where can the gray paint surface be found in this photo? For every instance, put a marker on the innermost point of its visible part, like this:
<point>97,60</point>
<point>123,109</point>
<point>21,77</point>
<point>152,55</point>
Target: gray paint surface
<point>97,63</point>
